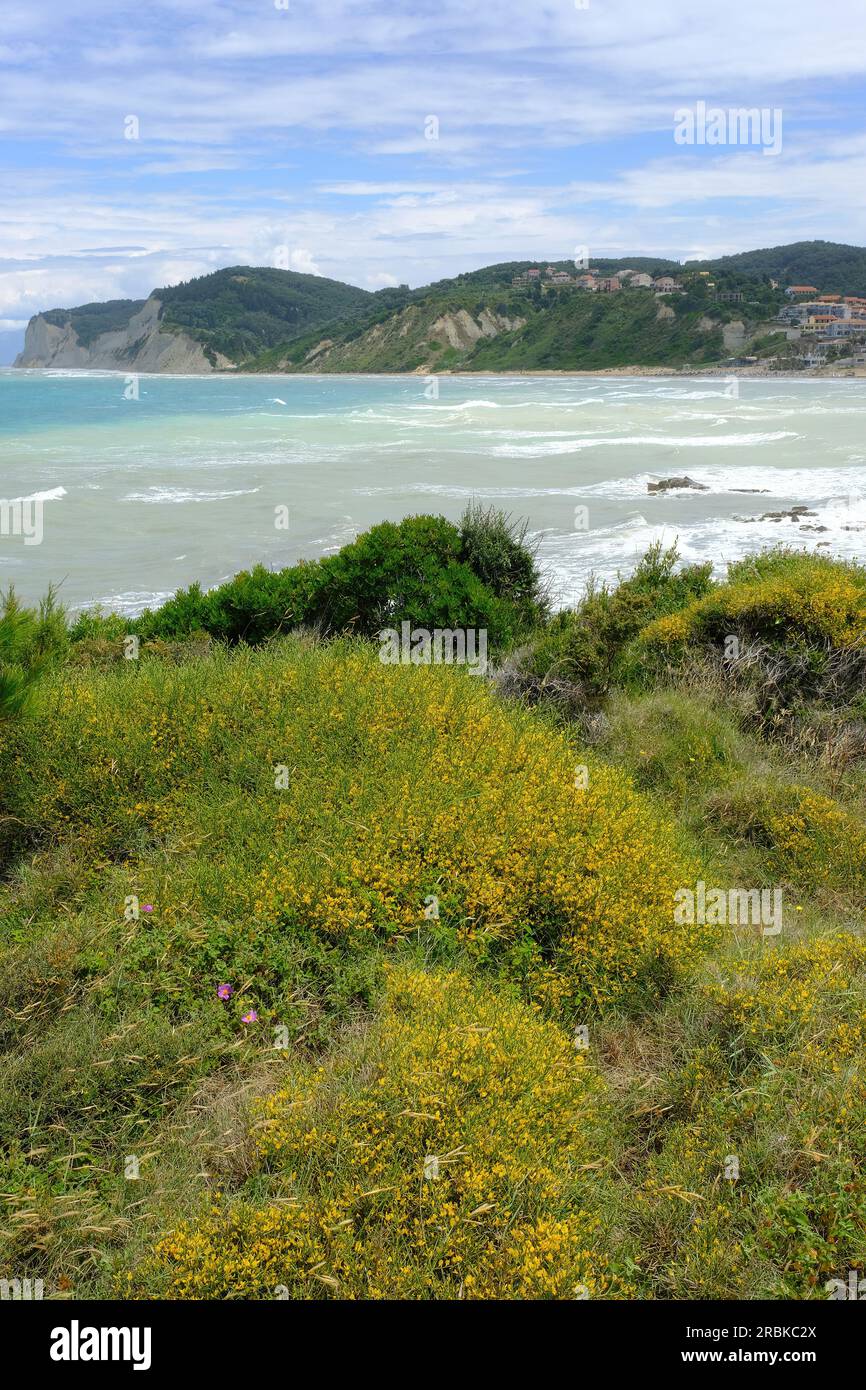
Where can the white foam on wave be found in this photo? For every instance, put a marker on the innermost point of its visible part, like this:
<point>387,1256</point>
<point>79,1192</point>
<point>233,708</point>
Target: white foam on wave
<point>456,491</point>
<point>158,494</point>
<point>129,603</point>
<point>452,407</point>
<point>661,441</point>
<point>568,560</point>
<point>73,372</point>
<point>50,495</point>
<point>342,534</point>
<point>799,484</point>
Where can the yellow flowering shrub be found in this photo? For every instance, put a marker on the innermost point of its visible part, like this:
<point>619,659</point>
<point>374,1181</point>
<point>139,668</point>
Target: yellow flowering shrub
<point>811,597</point>
<point>819,842</point>
<point>317,791</point>
<point>441,1153</point>
<point>812,989</point>
<point>809,840</point>
<point>757,1188</point>
<point>515,854</point>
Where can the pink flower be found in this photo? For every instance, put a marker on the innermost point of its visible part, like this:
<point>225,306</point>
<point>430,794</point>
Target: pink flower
<point>147,907</point>
<point>251,1017</point>
<point>225,991</point>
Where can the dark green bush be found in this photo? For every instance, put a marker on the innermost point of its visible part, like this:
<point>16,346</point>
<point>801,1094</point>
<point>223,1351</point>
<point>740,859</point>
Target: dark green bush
<point>423,570</point>
<point>30,639</point>
<point>395,571</point>
<point>496,549</point>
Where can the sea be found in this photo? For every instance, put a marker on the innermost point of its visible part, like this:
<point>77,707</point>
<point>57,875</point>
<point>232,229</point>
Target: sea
<point>144,484</point>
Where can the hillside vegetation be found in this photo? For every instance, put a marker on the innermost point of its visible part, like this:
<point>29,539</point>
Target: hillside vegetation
<point>832,267</point>
<point>89,320</point>
<point>243,310</point>
<point>331,977</point>
<point>268,320</point>
<point>480,322</point>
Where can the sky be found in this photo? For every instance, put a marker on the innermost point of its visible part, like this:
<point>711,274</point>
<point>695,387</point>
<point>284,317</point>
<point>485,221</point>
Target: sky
<point>387,143</point>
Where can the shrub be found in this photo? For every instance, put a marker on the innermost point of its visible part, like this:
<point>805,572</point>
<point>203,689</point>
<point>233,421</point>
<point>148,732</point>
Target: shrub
<point>774,598</point>
<point>772,1077</point>
<point>436,1155</point>
<point>255,605</point>
<point>422,570</point>
<point>587,645</point>
<point>404,782</point>
<point>811,840</point>
<point>30,640</point>
<point>412,572</point>
<point>805,990</point>
<point>496,549</point>
<point>787,628</point>
<point>99,625</point>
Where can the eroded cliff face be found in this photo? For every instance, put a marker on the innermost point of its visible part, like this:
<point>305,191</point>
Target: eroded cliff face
<point>407,341</point>
<point>142,346</point>
<point>460,330</point>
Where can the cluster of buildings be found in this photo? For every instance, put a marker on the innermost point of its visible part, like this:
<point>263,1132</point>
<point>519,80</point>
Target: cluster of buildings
<point>595,283</point>
<point>829,318</point>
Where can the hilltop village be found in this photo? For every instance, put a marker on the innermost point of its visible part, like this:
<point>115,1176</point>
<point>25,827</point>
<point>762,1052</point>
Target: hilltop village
<point>799,328</point>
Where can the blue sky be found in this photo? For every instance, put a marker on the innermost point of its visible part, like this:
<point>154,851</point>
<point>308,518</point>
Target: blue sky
<point>306,128</point>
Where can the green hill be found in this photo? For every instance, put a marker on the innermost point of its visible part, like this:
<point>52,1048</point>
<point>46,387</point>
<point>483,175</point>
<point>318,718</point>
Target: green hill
<point>831,267</point>
<point>264,319</point>
<point>480,321</point>
<point>596,330</point>
<point>243,310</point>
<point>462,327</point>
<point>89,320</point>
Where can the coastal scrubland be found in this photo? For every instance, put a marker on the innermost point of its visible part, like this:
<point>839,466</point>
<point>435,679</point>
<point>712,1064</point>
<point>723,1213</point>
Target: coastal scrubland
<point>329,977</point>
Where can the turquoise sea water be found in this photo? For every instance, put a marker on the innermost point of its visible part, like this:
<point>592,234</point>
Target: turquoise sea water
<point>140,497</point>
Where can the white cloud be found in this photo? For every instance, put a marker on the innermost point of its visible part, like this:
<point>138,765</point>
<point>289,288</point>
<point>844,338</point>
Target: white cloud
<point>305,128</point>
<point>302,261</point>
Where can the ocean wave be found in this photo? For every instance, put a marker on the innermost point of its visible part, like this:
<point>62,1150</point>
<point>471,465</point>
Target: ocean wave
<point>662,441</point>
<point>50,495</point>
<point>569,560</point>
<point>445,407</point>
<point>458,492</point>
<point>129,603</point>
<point>158,494</point>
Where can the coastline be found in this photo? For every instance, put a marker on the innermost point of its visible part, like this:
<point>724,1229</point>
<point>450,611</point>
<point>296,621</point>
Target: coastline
<point>746,373</point>
<point>749,373</point>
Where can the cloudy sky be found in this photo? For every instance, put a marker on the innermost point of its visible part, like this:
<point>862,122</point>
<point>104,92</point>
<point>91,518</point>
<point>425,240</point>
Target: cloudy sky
<point>382,142</point>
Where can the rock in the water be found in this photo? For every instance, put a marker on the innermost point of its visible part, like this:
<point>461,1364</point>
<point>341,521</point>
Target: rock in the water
<point>667,484</point>
<point>793,515</point>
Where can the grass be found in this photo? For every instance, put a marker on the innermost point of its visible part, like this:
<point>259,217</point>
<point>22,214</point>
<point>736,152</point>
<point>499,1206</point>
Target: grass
<point>465,1051</point>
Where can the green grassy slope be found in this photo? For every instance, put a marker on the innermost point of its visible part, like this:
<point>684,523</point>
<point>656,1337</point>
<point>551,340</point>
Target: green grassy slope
<point>603,331</point>
<point>282,926</point>
<point>466,330</point>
